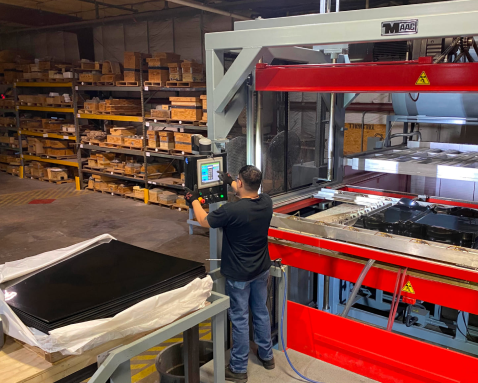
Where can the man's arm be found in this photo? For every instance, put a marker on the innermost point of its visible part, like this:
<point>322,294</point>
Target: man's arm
<point>200,213</point>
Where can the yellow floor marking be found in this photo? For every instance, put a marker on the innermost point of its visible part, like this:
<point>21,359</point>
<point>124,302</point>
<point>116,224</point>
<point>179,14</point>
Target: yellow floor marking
<point>173,340</point>
<point>160,348</point>
<point>205,330</point>
<point>137,366</point>
<point>143,374</point>
<point>144,357</point>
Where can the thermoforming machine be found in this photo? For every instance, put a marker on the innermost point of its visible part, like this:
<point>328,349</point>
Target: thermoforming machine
<point>383,283</point>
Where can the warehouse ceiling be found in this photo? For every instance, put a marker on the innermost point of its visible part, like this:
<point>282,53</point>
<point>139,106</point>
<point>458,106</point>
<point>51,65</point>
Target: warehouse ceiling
<point>19,14</point>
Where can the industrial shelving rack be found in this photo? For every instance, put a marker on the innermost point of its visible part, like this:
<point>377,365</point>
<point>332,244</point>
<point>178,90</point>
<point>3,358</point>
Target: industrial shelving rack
<point>65,110</point>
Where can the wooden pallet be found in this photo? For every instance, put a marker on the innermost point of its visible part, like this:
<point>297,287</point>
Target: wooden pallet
<point>155,83</point>
<point>21,103</point>
<point>49,357</point>
<point>158,150</point>
<point>168,205</point>
<point>90,83</point>
<point>96,168</point>
<point>41,130</point>
<point>60,105</point>
<point>127,83</point>
<point>119,172</point>
<point>118,113</point>
<point>106,83</point>
<point>157,119</point>
<point>118,146</point>
<point>56,182</point>
<point>184,84</point>
<point>105,192</point>
<point>202,123</point>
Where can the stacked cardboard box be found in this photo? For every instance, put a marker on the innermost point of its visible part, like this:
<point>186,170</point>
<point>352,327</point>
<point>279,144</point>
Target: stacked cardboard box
<point>35,145</point>
<point>183,141</point>
<point>158,66</point>
<point>161,111</point>
<point>123,106</point>
<point>192,71</point>
<point>204,107</point>
<point>57,174</point>
<point>186,108</point>
<point>119,133</point>
<point>38,169</point>
<point>133,64</point>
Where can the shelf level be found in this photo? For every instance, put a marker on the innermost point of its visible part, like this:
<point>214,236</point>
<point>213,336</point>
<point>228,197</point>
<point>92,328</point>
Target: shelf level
<point>167,89</point>
<point>110,117</point>
<point>44,84</point>
<point>46,109</point>
<point>109,88</point>
<point>120,177</point>
<point>180,127</point>
<point>46,135</point>
<point>131,152</point>
<point>50,160</point>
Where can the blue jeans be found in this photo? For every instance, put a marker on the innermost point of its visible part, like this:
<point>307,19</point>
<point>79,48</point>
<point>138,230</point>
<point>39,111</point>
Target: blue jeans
<point>242,295</point>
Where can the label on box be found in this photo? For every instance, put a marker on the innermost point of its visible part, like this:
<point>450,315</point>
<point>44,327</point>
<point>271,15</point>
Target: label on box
<point>76,87</point>
<point>147,123</point>
<point>81,146</point>
<point>148,154</point>
<point>66,137</point>
<point>78,115</point>
<point>45,135</point>
<point>146,88</point>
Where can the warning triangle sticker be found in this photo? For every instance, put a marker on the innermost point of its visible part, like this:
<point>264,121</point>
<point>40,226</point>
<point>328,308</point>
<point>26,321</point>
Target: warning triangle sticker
<point>408,288</point>
<point>423,79</point>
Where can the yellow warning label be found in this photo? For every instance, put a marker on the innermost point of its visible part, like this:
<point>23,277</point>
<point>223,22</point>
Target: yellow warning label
<point>423,79</point>
<point>408,288</point>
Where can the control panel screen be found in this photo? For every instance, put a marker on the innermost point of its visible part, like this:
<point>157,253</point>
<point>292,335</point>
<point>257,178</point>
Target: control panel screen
<point>208,169</point>
<point>209,172</point>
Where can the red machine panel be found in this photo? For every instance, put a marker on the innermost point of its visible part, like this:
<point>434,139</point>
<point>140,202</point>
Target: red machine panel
<point>373,352</point>
<point>411,76</point>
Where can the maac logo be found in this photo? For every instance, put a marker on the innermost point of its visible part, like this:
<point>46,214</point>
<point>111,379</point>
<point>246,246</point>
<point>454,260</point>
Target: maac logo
<point>401,27</point>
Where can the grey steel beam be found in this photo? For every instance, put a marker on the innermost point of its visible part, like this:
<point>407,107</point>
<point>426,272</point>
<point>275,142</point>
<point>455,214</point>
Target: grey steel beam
<point>234,77</point>
<point>383,14</point>
<point>297,54</point>
<point>337,29</point>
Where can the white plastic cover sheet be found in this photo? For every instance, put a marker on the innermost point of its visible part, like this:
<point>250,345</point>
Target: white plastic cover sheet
<point>74,339</point>
<point>161,36</point>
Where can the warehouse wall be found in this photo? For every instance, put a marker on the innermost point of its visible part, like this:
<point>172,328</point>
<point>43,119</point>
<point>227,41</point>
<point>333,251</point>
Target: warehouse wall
<point>182,35</point>
<point>60,45</point>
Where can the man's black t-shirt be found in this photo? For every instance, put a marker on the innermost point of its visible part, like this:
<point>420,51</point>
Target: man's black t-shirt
<point>245,224</point>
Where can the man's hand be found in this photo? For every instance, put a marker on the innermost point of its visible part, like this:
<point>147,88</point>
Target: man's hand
<point>225,177</point>
<point>192,195</point>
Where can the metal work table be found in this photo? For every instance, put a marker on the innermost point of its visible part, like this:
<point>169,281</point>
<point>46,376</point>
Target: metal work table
<point>20,365</point>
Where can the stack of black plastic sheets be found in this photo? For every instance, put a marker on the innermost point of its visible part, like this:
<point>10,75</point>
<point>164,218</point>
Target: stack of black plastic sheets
<point>98,283</point>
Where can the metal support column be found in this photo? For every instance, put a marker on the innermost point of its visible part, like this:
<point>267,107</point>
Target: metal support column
<point>218,344</point>
<point>258,148</point>
<point>74,95</point>
<point>250,122</point>
<point>17,121</point>
<point>122,373</point>
<point>215,241</point>
<point>330,143</point>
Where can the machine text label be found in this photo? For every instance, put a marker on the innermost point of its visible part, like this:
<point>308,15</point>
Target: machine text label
<point>401,27</point>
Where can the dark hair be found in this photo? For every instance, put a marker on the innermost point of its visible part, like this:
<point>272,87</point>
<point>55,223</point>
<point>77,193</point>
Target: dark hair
<point>251,176</point>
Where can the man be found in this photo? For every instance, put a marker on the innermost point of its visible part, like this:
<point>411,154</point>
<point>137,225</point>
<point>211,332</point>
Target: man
<point>245,263</point>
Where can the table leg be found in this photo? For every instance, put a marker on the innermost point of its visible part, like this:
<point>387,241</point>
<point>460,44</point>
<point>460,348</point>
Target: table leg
<point>218,328</point>
<point>191,354</point>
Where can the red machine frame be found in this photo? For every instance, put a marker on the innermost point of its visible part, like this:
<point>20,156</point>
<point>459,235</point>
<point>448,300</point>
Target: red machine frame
<point>384,77</point>
<point>367,350</point>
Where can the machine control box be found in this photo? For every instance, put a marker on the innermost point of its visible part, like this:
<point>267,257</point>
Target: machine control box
<point>203,172</point>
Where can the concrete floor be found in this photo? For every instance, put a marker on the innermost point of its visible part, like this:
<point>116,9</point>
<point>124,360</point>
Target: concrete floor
<point>310,367</point>
<point>30,229</point>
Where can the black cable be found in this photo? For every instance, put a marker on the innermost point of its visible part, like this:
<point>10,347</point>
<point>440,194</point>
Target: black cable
<point>414,99</point>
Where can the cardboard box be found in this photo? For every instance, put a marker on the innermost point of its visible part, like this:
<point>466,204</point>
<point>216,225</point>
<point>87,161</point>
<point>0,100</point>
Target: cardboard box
<point>51,124</point>
<point>138,192</point>
<point>59,152</point>
<point>182,141</point>
<point>123,131</point>
<point>55,100</point>
<point>353,136</point>
<point>132,168</point>
<point>102,106</point>
<point>154,194</point>
<point>90,77</point>
<point>153,143</point>
<point>132,75</point>
<point>166,140</point>
<point>112,187</point>
<point>158,75</point>
<point>57,174</point>
<point>194,77</point>
<point>152,134</point>
<point>104,159</point>
<point>111,67</point>
<point>7,140</point>
<point>175,72</point>
<point>170,56</point>
<point>90,66</point>
<point>123,189</point>
<point>114,139</point>
<point>186,113</point>
<point>167,197</point>
<point>160,113</point>
<point>111,77</point>
<point>92,162</point>
<point>28,124</point>
<point>91,183</point>
<point>133,141</point>
<point>91,105</point>
<point>46,65</point>
<point>56,144</point>
<point>191,67</point>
